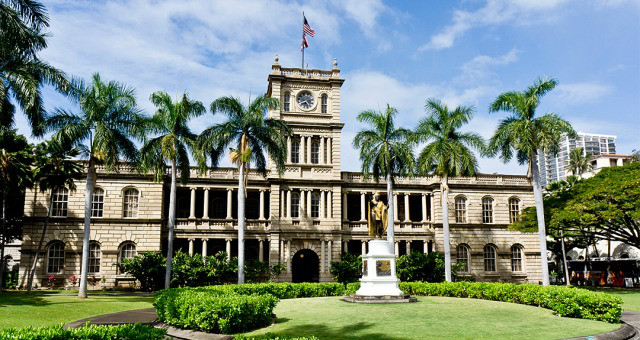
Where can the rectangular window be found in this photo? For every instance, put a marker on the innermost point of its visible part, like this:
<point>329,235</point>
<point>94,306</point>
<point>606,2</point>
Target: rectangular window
<point>516,259</point>
<point>315,152</point>
<point>315,205</point>
<point>94,258</point>
<point>324,101</point>
<point>60,200</point>
<point>55,258</point>
<point>287,102</point>
<point>461,210</point>
<point>97,202</point>
<point>514,210</point>
<point>295,152</point>
<point>295,204</point>
<point>130,203</point>
<point>462,256</point>
<point>487,210</point>
<point>489,259</point>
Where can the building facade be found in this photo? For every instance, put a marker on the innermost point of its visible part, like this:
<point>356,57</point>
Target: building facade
<point>556,167</point>
<point>304,218</point>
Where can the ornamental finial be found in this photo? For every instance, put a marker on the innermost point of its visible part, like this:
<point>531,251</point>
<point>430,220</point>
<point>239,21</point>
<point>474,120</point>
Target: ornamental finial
<point>335,63</point>
<point>275,60</point>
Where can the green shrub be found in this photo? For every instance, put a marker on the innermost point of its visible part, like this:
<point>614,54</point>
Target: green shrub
<point>419,266</point>
<point>148,268</point>
<point>89,332</point>
<point>348,269</point>
<point>271,336</point>
<point>281,290</point>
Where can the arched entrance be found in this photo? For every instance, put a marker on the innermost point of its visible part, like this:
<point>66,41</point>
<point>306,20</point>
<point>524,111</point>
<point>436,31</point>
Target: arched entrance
<point>306,266</point>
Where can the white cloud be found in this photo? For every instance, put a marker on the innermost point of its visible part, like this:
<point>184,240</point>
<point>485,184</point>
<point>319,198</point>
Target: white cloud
<point>579,93</point>
<point>479,68</point>
<point>495,12</point>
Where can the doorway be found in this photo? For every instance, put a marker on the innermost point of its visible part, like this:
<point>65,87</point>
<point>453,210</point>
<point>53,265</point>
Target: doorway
<point>306,266</point>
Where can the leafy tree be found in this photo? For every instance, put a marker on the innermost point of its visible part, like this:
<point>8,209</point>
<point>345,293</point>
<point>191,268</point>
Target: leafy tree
<point>385,151</point>
<point>347,270</point>
<point>102,130</point>
<point>22,73</point>
<point>417,266</point>
<point>147,268</point>
<point>172,145</point>
<point>253,134</point>
<point>54,168</point>
<point>447,154</point>
<point>579,162</point>
<point>16,159</point>
<point>525,134</point>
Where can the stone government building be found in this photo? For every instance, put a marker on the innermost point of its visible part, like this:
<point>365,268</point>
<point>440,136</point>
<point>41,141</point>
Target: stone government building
<point>303,219</point>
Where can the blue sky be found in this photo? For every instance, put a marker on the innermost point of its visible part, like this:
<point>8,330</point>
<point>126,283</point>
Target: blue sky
<point>463,52</point>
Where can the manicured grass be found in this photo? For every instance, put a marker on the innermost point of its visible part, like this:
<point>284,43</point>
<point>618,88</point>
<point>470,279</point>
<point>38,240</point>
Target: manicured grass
<point>630,296</point>
<point>44,309</point>
<point>431,318</point>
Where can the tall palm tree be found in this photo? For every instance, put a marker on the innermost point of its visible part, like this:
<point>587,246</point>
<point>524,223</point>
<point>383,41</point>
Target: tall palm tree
<point>385,151</point>
<point>103,128</point>
<point>22,73</point>
<point>171,145</point>
<point>525,135</point>
<point>447,154</point>
<point>54,168</point>
<point>252,134</point>
<point>16,159</point>
<point>579,162</point>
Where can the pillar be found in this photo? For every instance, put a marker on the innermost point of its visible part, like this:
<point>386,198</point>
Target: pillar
<point>261,250</point>
<point>362,207</point>
<point>228,249</point>
<point>261,205</point>
<point>288,256</point>
<point>406,208</point>
<point>397,248</point>
<point>288,149</point>
<point>345,211</point>
<point>425,247</point>
<point>281,251</point>
<point>192,210</point>
<point>345,246</point>
<point>191,247</point>
<point>433,210</point>
<point>289,203</point>
<point>308,149</point>
<point>229,203</point>
<point>329,204</point>
<point>424,207</point>
<point>205,210</point>
<point>330,151</point>
<point>395,207</point>
<point>322,158</point>
<point>204,247</point>
<point>329,248</point>
<point>363,244</point>
<point>322,256</point>
<point>283,207</point>
<point>407,246</point>
<point>301,206</point>
<point>309,203</point>
<point>322,198</point>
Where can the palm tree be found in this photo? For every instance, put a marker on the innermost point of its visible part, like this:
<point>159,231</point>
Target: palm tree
<point>16,159</point>
<point>525,135</point>
<point>447,154</point>
<point>252,133</point>
<point>175,138</point>
<point>54,168</point>
<point>385,151</point>
<point>102,130</point>
<point>22,73</point>
<point>579,162</point>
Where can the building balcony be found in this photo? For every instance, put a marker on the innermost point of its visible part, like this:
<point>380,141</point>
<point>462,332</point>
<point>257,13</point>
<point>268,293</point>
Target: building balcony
<point>220,224</point>
<point>400,227</point>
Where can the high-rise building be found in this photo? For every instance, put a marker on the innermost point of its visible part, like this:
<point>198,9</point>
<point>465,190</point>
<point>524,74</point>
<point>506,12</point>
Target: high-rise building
<point>556,167</point>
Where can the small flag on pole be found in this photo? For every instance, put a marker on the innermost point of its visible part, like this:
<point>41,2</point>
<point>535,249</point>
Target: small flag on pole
<point>305,44</point>
<point>307,29</point>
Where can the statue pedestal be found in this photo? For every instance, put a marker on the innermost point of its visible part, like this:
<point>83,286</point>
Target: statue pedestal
<point>379,283</point>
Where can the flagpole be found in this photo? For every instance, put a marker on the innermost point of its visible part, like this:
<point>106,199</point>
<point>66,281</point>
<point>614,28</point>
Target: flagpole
<point>302,40</point>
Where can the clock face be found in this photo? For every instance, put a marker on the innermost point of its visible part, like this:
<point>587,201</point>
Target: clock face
<point>305,100</point>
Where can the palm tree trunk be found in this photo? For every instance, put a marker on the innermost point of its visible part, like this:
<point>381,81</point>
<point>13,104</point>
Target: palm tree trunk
<point>2,240</point>
<point>32,272</point>
<point>390,214</point>
<point>241,221</point>
<point>170,224</point>
<point>564,259</point>
<point>542,234</point>
<point>84,269</point>
<point>445,228</point>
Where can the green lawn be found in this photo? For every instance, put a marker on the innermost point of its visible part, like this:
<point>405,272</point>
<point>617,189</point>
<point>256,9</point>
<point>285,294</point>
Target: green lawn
<point>630,296</point>
<point>43,309</point>
<point>430,318</point>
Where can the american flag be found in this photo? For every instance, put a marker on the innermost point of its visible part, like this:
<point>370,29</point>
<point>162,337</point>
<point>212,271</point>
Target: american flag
<point>307,29</point>
<point>305,44</point>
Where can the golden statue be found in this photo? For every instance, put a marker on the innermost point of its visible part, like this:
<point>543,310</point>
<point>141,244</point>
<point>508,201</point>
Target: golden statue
<point>377,216</point>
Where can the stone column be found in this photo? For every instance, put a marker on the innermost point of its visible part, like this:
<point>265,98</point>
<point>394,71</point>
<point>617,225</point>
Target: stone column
<point>345,211</point>
<point>282,251</point>
<point>309,203</point>
<point>363,244</point>
<point>289,149</point>
<point>424,207</point>
<point>397,248</point>
<point>322,198</point>
<point>433,210</point>
<point>261,250</point>
<point>395,208</point>
<point>192,210</point>
<point>407,246</point>
<point>191,246</point>
<point>228,249</point>
<point>261,217</point>
<point>406,208</point>
<point>288,256</point>
<point>345,246</point>
<point>322,256</point>
<point>329,248</point>
<point>329,204</point>
<point>309,149</point>
<point>322,158</point>
<point>283,208</point>
<point>362,207</point>
<point>205,214</point>
<point>330,151</point>
<point>289,203</point>
<point>301,207</point>
<point>425,246</point>
<point>229,203</point>
<point>204,247</point>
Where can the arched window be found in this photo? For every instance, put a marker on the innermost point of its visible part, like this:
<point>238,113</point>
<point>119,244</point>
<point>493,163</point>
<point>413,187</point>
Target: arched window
<point>55,258</point>
<point>315,204</point>
<point>315,152</point>
<point>490,255</point>
<point>516,258</point>
<point>295,204</point>
<point>60,202</point>
<point>461,209</point>
<point>94,258</point>
<point>324,101</point>
<point>514,209</point>
<point>462,256</point>
<point>127,250</point>
<point>130,203</point>
<point>487,210</point>
<point>287,102</point>
<point>97,202</point>
<point>295,152</point>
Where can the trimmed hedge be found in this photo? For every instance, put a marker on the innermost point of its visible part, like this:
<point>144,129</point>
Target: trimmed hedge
<point>89,332</point>
<point>271,336</point>
<point>565,301</point>
<point>282,290</point>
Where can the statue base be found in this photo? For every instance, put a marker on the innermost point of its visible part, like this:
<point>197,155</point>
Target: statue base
<point>379,283</point>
